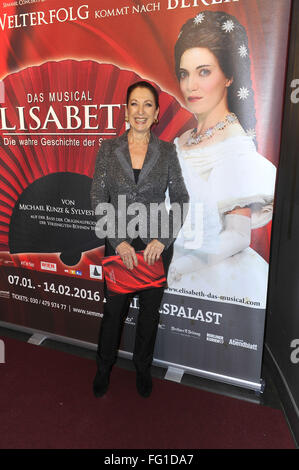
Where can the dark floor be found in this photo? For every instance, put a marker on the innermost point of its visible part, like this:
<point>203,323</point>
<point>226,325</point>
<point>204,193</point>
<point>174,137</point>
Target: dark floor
<point>269,397</point>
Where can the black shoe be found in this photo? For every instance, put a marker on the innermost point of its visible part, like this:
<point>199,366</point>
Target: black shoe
<point>101,384</point>
<point>144,384</point>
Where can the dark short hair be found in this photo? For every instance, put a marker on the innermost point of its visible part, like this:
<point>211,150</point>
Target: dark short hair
<point>144,84</point>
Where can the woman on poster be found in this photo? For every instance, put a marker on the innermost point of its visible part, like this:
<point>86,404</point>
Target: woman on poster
<point>231,186</point>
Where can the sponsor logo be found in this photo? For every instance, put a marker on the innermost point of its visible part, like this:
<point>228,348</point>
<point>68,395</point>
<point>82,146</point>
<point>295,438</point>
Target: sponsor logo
<point>95,272</point>
<point>242,344</point>
<point>27,264</point>
<point>73,271</point>
<point>215,338</point>
<point>185,332</point>
<point>48,266</point>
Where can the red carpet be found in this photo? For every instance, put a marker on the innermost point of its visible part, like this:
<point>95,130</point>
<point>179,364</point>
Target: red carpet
<point>46,401</point>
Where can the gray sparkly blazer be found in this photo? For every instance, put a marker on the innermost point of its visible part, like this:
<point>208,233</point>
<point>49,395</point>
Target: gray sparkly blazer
<point>138,209</point>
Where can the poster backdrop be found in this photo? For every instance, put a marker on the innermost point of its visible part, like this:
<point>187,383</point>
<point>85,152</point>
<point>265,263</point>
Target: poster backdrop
<point>65,67</point>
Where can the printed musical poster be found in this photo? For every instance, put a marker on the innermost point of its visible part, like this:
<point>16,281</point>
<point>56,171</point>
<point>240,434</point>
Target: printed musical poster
<point>65,68</point>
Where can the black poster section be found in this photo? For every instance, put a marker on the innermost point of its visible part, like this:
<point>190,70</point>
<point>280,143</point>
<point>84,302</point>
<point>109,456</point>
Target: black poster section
<point>282,327</point>
<point>199,327</point>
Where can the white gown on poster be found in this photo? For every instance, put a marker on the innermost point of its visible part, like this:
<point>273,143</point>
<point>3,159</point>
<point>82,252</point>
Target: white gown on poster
<point>219,178</point>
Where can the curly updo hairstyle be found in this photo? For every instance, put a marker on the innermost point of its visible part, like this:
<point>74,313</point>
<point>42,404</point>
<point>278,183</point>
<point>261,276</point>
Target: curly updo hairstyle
<point>226,38</point>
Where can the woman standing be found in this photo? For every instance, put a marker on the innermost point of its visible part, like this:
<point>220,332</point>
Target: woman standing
<point>139,167</point>
<point>231,186</point>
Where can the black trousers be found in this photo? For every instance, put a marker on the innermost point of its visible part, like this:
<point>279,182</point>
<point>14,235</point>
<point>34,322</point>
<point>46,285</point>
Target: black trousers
<point>115,312</point>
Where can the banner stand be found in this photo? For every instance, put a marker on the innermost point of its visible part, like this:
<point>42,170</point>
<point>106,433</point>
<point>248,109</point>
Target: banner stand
<point>174,372</point>
<point>39,336</point>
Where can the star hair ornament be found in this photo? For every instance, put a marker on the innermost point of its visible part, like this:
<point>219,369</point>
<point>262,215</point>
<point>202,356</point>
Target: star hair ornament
<point>251,133</point>
<point>199,18</point>
<point>243,93</point>
<point>243,52</point>
<point>228,26</point>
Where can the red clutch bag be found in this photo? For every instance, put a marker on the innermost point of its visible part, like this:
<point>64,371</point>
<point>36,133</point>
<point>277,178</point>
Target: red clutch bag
<point>121,280</point>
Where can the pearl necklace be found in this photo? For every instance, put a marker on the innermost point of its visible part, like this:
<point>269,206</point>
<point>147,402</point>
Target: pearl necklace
<point>195,138</point>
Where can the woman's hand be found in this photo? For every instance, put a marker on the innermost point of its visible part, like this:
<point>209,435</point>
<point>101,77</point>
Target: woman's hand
<point>234,238</point>
<point>184,265</point>
<point>153,251</point>
<point>127,254</point>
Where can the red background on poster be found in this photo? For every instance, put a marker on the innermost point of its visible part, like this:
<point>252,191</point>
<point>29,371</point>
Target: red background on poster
<point>149,51</point>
